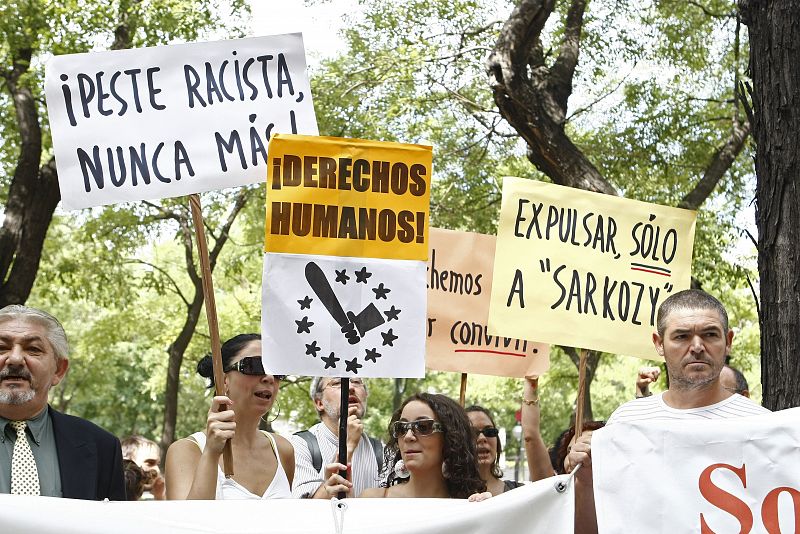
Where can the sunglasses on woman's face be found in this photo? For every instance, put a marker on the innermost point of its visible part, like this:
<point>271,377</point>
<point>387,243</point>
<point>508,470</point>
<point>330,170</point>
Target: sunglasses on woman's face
<point>251,365</point>
<point>420,427</point>
<point>489,432</point>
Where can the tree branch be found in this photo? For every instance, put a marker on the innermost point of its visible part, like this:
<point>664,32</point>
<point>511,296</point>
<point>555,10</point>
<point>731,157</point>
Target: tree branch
<point>528,98</point>
<point>710,13</point>
<point>165,274</point>
<point>720,163</point>
<point>602,97</point>
<point>238,204</point>
<point>564,67</point>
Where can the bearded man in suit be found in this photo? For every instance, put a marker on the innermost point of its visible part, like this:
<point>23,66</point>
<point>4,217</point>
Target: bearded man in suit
<point>42,451</point>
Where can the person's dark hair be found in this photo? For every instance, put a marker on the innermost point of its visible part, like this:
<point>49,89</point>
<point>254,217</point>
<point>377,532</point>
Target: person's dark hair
<point>496,471</point>
<point>693,299</point>
<point>560,448</point>
<point>741,381</point>
<point>229,350</point>
<point>134,480</point>
<point>460,459</point>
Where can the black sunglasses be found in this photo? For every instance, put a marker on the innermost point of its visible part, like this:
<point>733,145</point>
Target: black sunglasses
<point>420,427</point>
<point>489,432</point>
<point>251,365</point>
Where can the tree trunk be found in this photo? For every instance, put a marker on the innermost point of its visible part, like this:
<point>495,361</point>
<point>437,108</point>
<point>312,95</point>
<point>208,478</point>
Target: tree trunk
<point>774,29</point>
<point>176,350</point>
<point>32,195</point>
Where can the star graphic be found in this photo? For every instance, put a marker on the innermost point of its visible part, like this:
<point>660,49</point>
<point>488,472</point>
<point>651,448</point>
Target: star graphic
<point>305,303</point>
<point>304,325</point>
<point>312,349</point>
<point>330,361</point>
<point>392,314</point>
<point>380,291</point>
<point>362,275</point>
<point>352,366</point>
<point>341,276</point>
<point>388,338</point>
<point>372,355</point>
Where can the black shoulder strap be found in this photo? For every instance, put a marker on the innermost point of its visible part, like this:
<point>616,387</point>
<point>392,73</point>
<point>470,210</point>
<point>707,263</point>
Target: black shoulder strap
<point>316,455</point>
<point>313,448</point>
<point>378,448</point>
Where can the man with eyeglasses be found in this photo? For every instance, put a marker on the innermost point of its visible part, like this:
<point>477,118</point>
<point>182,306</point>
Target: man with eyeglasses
<point>318,446</point>
<point>694,339</point>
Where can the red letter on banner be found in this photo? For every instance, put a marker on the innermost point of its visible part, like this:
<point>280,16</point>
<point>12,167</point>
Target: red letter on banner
<point>769,509</point>
<point>724,500</point>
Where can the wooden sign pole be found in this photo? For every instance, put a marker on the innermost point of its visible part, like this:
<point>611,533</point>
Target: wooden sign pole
<point>211,314</point>
<point>463,395</point>
<point>581,393</point>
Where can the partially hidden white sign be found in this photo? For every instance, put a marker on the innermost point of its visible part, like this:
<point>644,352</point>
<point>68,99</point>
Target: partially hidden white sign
<point>709,476</point>
<point>168,121</point>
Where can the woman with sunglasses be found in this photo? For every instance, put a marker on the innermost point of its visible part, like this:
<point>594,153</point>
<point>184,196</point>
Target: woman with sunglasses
<point>487,441</point>
<point>431,452</point>
<point>263,463</point>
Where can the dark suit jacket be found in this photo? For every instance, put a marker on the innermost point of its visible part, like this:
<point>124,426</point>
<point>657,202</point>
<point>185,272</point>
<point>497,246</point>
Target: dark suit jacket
<point>90,459</point>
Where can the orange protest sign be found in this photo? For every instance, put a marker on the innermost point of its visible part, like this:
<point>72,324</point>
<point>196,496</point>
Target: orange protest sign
<point>459,288</point>
<point>348,197</point>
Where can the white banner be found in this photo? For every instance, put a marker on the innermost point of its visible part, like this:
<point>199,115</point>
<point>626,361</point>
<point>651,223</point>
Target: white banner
<point>341,316</point>
<point>716,476</point>
<point>536,508</point>
<point>167,121</point>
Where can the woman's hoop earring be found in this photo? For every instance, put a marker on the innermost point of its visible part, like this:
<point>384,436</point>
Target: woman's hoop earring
<point>270,421</point>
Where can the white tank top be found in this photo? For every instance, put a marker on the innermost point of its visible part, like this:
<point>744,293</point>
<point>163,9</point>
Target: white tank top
<point>229,489</point>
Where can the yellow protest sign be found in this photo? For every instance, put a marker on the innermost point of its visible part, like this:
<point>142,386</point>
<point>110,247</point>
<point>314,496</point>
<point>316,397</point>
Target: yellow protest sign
<point>584,269</point>
<point>348,197</point>
<point>459,278</point>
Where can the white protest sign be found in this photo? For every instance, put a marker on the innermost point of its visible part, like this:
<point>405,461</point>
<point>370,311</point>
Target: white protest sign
<point>710,476</point>
<point>534,509</point>
<point>384,298</point>
<point>167,121</point>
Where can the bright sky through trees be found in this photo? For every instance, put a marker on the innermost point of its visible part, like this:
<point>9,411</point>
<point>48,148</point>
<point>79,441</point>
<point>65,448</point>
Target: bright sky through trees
<point>320,24</point>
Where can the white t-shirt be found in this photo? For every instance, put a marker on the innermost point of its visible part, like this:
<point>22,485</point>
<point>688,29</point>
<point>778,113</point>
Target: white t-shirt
<point>228,489</point>
<point>654,408</point>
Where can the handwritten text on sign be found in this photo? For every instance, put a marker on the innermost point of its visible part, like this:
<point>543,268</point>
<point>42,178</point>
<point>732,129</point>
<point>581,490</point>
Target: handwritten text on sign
<point>348,197</point>
<point>459,280</point>
<point>173,120</point>
<point>586,270</point>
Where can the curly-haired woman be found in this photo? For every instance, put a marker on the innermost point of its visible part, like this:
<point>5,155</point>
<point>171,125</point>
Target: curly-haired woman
<point>431,451</point>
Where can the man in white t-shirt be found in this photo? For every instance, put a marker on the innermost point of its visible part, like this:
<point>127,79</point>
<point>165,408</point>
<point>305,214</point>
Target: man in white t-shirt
<point>694,339</point>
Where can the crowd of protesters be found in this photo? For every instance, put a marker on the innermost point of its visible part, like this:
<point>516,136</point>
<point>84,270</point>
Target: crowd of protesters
<point>433,447</point>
